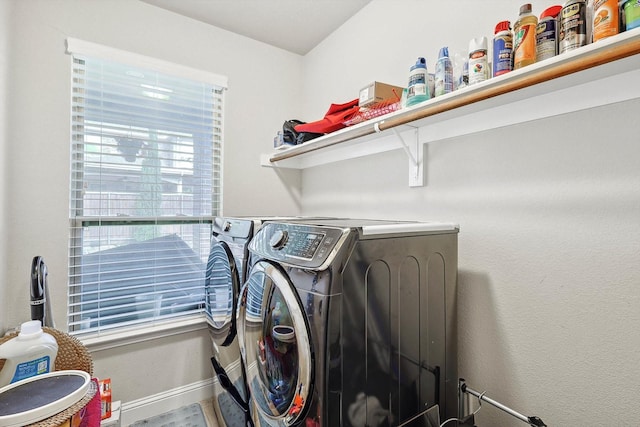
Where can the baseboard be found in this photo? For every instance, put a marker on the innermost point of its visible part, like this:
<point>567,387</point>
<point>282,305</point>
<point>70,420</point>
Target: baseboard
<point>149,406</point>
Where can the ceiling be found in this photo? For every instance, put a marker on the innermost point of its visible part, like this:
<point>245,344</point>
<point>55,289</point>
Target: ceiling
<point>294,25</point>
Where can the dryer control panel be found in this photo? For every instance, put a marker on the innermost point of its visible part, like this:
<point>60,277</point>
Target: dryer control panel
<point>298,244</point>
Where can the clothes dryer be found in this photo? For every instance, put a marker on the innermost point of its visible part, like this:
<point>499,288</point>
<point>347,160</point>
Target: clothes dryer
<point>350,323</point>
<point>225,274</point>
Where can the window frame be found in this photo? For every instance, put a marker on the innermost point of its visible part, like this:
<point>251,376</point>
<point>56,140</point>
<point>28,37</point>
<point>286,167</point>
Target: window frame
<point>186,322</point>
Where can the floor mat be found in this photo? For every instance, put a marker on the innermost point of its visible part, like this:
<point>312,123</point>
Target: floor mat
<point>232,413</point>
<point>186,416</point>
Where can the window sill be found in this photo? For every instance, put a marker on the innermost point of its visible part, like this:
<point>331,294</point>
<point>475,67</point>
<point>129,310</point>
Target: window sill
<point>112,339</point>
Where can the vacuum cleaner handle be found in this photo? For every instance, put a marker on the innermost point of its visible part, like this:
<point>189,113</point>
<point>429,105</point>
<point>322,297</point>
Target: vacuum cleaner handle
<point>37,288</point>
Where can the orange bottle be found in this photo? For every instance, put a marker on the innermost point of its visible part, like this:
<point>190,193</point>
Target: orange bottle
<point>524,38</point>
<point>605,19</point>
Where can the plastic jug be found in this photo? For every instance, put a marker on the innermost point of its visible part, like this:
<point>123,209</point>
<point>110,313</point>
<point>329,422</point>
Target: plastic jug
<point>418,89</point>
<point>524,38</point>
<point>32,352</point>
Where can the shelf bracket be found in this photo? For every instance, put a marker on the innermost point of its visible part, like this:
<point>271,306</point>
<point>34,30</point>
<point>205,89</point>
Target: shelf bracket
<point>415,152</point>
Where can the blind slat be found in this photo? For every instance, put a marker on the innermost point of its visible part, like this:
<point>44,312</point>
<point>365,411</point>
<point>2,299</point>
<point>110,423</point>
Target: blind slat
<point>145,185</point>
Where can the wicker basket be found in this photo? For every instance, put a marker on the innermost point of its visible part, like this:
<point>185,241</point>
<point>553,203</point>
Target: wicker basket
<point>61,417</point>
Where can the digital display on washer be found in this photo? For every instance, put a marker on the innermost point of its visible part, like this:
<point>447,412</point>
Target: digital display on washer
<point>303,245</point>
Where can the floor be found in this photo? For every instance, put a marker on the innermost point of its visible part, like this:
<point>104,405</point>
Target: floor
<point>207,409</point>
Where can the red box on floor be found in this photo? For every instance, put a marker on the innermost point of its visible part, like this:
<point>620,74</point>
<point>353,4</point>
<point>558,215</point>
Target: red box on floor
<point>105,398</point>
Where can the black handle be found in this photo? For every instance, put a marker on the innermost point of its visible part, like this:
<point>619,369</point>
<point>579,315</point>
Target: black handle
<point>535,421</point>
<point>38,298</point>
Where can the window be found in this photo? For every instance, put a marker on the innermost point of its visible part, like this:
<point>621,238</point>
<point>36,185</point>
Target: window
<point>145,185</point>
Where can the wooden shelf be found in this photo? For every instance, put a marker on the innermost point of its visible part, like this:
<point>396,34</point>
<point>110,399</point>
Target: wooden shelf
<point>598,74</point>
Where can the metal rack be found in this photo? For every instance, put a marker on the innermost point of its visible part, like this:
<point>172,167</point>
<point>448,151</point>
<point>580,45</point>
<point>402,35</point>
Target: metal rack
<point>468,419</point>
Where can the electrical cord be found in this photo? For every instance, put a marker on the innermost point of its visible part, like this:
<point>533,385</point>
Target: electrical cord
<point>472,415</point>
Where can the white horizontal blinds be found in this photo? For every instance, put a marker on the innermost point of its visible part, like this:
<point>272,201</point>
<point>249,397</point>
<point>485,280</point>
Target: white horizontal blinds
<point>145,183</point>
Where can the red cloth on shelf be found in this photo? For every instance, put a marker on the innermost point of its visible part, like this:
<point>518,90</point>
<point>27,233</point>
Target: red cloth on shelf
<point>333,120</point>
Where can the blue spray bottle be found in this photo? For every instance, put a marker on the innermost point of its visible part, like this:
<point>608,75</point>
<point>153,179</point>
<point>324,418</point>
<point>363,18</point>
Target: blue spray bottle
<point>444,73</point>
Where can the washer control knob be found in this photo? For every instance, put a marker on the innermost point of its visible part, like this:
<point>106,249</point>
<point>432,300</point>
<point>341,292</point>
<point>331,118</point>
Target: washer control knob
<point>227,226</point>
<point>279,239</point>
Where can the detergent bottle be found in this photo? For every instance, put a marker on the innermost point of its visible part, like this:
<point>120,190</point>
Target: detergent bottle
<point>524,38</point>
<point>32,352</point>
<point>418,88</point>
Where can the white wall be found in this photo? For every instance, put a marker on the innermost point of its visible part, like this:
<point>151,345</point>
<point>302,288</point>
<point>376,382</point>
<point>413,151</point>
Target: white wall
<point>549,213</point>
<point>4,77</point>
<point>385,39</point>
<point>262,93</point>
<point>548,285</point>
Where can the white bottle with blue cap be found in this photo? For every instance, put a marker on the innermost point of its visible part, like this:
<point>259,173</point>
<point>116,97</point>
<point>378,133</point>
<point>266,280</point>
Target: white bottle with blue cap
<point>32,352</point>
<point>418,89</point>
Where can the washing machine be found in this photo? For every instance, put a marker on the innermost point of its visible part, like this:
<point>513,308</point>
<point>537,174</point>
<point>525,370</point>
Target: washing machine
<point>225,274</point>
<point>350,323</point>
<point>227,269</point>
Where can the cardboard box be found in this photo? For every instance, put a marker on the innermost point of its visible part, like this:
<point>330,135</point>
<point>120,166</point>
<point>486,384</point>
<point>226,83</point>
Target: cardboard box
<point>114,419</point>
<point>105,397</point>
<point>378,92</point>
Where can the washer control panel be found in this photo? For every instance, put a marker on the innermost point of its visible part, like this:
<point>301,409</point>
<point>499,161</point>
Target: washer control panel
<point>300,244</point>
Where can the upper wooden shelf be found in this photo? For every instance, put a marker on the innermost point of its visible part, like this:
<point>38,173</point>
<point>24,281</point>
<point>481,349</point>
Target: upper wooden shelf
<point>598,74</point>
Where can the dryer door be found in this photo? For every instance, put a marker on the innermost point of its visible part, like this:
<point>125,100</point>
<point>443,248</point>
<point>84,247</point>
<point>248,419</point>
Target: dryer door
<point>275,344</point>
<point>222,286</point>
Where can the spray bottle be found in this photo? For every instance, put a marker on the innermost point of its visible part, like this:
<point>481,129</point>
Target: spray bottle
<point>502,49</point>
<point>478,62</point>
<point>547,33</point>
<point>444,73</point>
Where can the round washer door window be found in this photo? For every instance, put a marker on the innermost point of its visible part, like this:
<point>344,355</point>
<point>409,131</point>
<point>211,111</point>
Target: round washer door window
<point>222,286</point>
<point>275,344</point>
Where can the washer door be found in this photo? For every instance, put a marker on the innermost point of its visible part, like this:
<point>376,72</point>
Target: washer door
<point>275,345</point>
<point>222,286</point>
